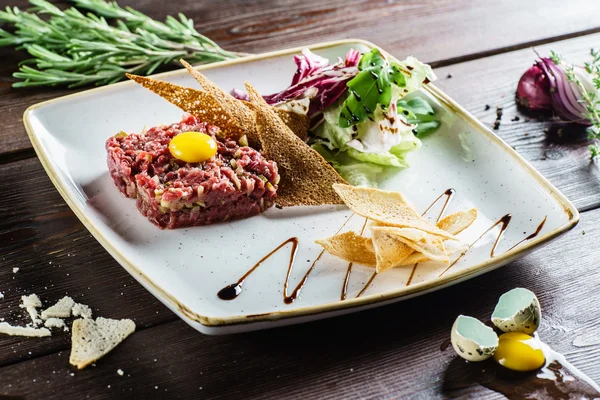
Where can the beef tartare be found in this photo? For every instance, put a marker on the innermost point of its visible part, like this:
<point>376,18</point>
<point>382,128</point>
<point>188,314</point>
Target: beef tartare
<point>237,182</point>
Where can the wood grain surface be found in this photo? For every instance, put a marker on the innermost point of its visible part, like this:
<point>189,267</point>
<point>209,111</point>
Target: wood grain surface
<point>440,32</point>
<point>481,47</point>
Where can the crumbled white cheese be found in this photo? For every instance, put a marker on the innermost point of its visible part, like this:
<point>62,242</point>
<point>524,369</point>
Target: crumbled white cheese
<point>62,309</point>
<point>1,295</point>
<point>54,323</point>
<point>81,310</point>
<point>31,303</point>
<point>120,372</point>
<point>15,270</point>
<point>8,329</point>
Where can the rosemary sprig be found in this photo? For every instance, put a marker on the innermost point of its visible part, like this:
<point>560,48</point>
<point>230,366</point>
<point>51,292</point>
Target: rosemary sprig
<point>76,49</point>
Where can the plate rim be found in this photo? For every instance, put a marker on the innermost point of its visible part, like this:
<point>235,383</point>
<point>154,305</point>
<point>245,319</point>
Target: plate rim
<point>573,215</point>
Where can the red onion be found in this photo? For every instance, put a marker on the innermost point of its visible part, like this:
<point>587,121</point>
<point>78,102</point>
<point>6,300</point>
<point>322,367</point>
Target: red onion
<point>533,90</point>
<point>546,86</point>
<point>565,94</point>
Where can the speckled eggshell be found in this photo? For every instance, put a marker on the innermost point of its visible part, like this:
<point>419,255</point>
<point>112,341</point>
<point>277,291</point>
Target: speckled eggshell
<point>526,320</point>
<point>468,348</point>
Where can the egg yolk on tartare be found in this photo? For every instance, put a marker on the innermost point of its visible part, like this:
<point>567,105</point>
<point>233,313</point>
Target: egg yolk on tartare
<point>193,147</point>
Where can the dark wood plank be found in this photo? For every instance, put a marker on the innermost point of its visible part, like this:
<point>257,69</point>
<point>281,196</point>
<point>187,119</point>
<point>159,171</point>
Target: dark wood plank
<point>492,81</point>
<point>389,352</point>
<point>432,30</point>
<point>56,256</point>
<point>43,229</point>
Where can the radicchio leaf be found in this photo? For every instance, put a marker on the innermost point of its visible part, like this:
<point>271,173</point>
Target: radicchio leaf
<point>316,79</point>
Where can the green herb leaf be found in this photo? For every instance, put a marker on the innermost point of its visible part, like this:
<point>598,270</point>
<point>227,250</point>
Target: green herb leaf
<point>371,87</point>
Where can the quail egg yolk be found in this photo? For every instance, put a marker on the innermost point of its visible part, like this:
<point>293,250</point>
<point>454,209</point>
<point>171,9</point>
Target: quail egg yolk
<point>519,351</point>
<point>193,147</point>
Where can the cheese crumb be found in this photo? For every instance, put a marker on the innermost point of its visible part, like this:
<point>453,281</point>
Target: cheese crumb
<point>31,303</point>
<point>1,295</point>
<point>120,372</point>
<point>81,310</point>
<point>54,323</point>
<point>8,329</point>
<point>62,309</point>
<point>15,270</point>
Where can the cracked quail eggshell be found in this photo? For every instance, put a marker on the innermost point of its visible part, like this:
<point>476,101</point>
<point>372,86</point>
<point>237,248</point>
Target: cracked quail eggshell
<point>518,311</point>
<point>472,340</point>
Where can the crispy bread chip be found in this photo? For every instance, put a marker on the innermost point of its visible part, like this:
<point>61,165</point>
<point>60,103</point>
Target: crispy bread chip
<point>454,224</point>
<point>416,258</point>
<point>91,340</point>
<point>232,120</point>
<point>429,245</point>
<point>386,208</point>
<point>298,123</point>
<point>306,178</point>
<point>389,251</point>
<point>458,222</point>
<point>201,104</point>
<point>350,247</point>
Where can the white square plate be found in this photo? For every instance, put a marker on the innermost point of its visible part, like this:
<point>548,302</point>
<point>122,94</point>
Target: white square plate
<point>186,268</point>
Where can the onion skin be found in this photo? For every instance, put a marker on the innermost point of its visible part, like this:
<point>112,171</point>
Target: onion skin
<point>565,95</point>
<point>533,90</point>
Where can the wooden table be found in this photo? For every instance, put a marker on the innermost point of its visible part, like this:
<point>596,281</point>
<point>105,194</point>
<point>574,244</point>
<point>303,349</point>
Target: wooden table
<point>479,49</point>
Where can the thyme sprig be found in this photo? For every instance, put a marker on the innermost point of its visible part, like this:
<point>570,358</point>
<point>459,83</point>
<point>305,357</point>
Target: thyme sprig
<point>589,98</point>
<point>74,48</point>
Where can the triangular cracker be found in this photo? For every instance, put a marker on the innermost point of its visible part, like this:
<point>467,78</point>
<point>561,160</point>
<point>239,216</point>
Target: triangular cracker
<point>91,340</point>
<point>198,103</point>
<point>350,247</point>
<point>458,222</point>
<point>306,178</point>
<point>429,245</point>
<point>389,251</point>
<point>234,117</point>
<point>386,208</point>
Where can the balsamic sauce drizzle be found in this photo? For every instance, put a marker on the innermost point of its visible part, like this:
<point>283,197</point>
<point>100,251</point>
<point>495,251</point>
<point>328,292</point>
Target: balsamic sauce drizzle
<point>534,234</point>
<point>349,270</point>
<point>232,291</point>
<point>364,289</point>
<point>504,221</point>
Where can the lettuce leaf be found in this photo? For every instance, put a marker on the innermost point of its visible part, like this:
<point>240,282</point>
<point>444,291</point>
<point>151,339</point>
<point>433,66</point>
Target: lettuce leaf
<point>354,172</point>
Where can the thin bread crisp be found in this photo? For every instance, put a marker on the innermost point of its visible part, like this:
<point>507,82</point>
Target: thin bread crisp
<point>386,208</point>
<point>306,178</point>
<point>233,121</point>
<point>416,258</point>
<point>429,245</point>
<point>458,222</point>
<point>389,251</point>
<point>350,247</point>
<point>198,103</point>
<point>91,340</point>
<point>298,123</point>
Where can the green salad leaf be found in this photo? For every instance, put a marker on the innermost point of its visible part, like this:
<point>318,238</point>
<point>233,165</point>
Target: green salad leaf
<point>372,86</point>
<point>355,172</point>
<point>418,111</point>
